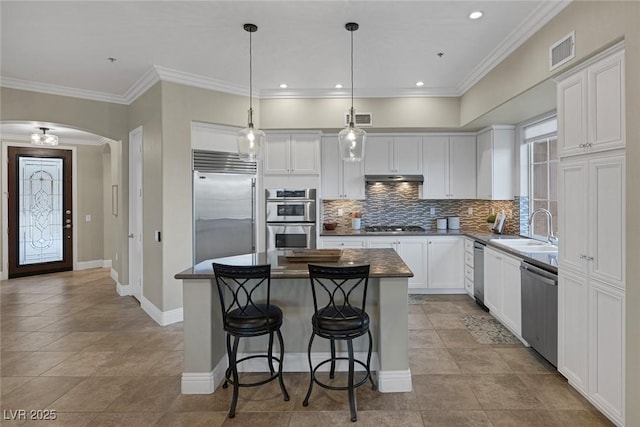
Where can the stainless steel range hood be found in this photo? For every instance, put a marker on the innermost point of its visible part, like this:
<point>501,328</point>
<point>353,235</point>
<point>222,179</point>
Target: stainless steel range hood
<point>394,178</point>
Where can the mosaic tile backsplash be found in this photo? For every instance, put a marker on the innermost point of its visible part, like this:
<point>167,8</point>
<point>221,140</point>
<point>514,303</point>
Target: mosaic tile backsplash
<point>399,204</point>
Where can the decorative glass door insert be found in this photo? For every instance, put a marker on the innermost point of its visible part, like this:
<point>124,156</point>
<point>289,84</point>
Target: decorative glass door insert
<point>41,210</point>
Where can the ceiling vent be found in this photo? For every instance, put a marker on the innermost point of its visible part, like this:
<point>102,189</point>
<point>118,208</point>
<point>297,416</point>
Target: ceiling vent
<point>562,51</point>
<point>362,119</point>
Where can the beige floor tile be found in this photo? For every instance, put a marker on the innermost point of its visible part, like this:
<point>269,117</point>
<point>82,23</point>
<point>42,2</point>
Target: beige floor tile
<point>523,418</point>
<point>365,418</point>
<point>75,341</point>
<point>525,360</point>
<point>161,340</point>
<point>86,324</point>
<point>119,341</point>
<point>27,323</point>
<point>431,361</point>
<point>171,364</point>
<point>457,418</point>
<point>116,419</point>
<point>444,393</point>
<point>34,309</point>
<point>425,338</point>
<point>8,384</point>
<point>457,338</point>
<point>64,419</point>
<point>503,392</point>
<point>446,320</point>
<point>581,418</point>
<point>38,393</point>
<point>131,363</point>
<point>148,394</point>
<point>82,364</point>
<point>259,419</point>
<point>419,321</point>
<point>374,400</point>
<point>439,307</point>
<point>93,394</point>
<point>30,364</point>
<point>32,341</point>
<point>192,419</point>
<point>554,391</point>
<point>479,360</point>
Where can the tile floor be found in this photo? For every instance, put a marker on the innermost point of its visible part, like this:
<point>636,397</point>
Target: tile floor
<point>70,344</point>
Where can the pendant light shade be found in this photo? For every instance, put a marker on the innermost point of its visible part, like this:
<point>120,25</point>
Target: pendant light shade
<point>250,139</point>
<point>44,138</point>
<point>351,138</point>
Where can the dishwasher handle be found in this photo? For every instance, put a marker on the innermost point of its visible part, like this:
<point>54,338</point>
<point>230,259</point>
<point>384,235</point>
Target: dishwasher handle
<point>547,276</point>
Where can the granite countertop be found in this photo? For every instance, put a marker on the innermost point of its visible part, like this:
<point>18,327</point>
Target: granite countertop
<point>383,262</point>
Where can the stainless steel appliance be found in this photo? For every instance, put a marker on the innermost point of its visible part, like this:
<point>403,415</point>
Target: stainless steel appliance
<point>290,218</point>
<point>223,205</point>
<point>539,299</point>
<point>478,273</point>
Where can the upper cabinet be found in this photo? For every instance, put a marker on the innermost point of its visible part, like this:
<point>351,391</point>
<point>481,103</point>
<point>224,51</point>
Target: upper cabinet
<point>495,163</point>
<point>449,167</point>
<point>591,107</point>
<point>393,155</point>
<point>292,154</point>
<point>340,179</point>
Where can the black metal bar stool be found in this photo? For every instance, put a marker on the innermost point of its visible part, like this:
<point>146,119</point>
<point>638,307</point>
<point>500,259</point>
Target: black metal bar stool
<point>340,315</point>
<point>244,318</point>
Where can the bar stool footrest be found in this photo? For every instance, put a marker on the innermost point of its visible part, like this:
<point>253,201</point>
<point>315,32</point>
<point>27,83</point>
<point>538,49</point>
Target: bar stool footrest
<point>273,376</point>
<point>330,387</point>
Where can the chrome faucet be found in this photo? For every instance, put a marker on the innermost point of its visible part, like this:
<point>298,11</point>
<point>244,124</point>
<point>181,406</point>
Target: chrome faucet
<point>551,238</point>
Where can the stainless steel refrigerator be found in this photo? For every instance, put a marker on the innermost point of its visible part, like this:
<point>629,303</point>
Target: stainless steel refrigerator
<point>223,207</point>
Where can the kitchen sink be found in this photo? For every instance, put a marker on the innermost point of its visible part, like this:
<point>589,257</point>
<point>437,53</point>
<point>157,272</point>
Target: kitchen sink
<point>527,246</point>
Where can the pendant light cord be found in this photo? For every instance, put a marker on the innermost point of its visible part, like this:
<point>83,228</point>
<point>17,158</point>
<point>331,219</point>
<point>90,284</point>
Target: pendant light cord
<point>352,118</point>
<point>250,73</point>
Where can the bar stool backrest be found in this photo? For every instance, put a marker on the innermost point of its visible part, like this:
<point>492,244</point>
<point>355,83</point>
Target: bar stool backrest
<point>338,290</point>
<point>243,284</point>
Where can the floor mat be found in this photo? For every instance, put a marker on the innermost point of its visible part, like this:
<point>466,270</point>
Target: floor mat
<point>487,330</point>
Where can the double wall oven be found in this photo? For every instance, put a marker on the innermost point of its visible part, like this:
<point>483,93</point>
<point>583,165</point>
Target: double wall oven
<point>291,218</point>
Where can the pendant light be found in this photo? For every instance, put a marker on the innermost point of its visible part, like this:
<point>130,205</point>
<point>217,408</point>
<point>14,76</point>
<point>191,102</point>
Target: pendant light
<point>250,140</point>
<point>352,138</point>
<point>44,138</point>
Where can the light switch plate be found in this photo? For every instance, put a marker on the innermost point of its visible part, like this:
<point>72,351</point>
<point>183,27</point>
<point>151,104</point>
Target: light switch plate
<point>87,218</point>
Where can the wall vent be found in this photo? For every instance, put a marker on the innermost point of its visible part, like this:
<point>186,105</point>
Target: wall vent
<point>362,119</point>
<point>562,51</point>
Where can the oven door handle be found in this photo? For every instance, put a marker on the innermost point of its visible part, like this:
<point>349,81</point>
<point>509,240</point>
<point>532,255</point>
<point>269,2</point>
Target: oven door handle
<point>284,223</point>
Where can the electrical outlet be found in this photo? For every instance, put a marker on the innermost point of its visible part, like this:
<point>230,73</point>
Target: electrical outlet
<point>340,212</point>
<point>158,236</point>
<point>432,211</point>
<point>470,211</point>
<point>87,218</point>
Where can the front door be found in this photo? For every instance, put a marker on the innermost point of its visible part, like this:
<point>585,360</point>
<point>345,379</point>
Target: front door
<point>40,227</point>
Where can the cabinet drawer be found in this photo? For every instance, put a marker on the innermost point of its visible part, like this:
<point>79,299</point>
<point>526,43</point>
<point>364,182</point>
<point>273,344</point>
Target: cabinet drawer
<point>468,246</point>
<point>468,272</point>
<point>468,286</point>
<point>468,259</point>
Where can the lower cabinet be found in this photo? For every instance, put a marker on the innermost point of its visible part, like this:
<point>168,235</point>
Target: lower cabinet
<point>445,267</point>
<point>340,243</point>
<point>502,288</point>
<point>413,252</point>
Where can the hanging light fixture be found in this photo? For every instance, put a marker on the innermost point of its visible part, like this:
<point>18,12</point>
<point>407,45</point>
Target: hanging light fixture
<point>250,140</point>
<point>352,138</point>
<point>44,138</point>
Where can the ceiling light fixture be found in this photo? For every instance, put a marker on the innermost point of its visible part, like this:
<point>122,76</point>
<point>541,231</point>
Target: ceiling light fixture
<point>250,140</point>
<point>475,15</point>
<point>283,86</point>
<point>420,84</point>
<point>44,138</point>
<point>351,138</point>
<point>338,86</point>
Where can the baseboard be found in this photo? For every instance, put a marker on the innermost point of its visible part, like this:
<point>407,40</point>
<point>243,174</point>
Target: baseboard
<point>114,275</point>
<point>4,275</point>
<point>123,290</point>
<point>394,381</point>
<point>85,265</point>
<point>197,383</point>
<point>162,318</point>
<point>106,263</point>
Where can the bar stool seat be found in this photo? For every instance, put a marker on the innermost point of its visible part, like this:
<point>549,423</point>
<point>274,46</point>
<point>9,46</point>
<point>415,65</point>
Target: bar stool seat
<point>338,317</point>
<point>244,318</point>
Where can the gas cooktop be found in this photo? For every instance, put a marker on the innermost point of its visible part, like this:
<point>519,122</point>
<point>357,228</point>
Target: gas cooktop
<point>392,228</point>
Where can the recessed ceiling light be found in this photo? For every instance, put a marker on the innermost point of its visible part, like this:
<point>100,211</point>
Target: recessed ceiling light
<point>338,86</point>
<point>283,86</point>
<point>420,84</point>
<point>475,15</point>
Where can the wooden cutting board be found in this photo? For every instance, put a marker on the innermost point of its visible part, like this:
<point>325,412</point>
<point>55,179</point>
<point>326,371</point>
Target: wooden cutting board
<point>313,255</point>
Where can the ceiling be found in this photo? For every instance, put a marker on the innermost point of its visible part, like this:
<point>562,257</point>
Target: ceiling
<point>63,46</point>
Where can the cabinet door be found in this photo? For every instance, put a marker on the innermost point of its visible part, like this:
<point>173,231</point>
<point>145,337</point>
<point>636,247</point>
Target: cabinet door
<point>606,342</point>
<point>484,166</point>
<point>606,103</point>
<point>572,114</point>
<point>573,328</point>
<point>340,243</point>
<point>382,242</point>
<point>607,220</point>
<point>407,154</point>
<point>511,291</point>
<point>305,154</point>
<point>276,154</point>
<point>493,281</point>
<point>572,214</point>
<point>462,167</point>
<point>445,263</point>
<point>435,161</point>
<point>353,180</point>
<point>413,253</point>
<point>378,155</point>
<point>330,170</point>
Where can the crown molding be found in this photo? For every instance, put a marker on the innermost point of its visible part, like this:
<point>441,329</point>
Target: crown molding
<point>12,83</point>
<point>143,84</point>
<point>539,17</point>
<point>181,77</point>
<point>359,93</point>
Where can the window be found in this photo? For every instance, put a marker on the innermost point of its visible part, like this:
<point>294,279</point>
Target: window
<point>542,139</point>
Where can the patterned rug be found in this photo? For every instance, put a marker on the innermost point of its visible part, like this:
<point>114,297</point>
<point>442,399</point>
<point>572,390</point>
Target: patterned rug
<point>487,330</point>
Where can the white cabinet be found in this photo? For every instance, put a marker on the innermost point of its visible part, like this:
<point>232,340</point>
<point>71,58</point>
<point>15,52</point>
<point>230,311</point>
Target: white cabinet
<point>413,252</point>
<point>449,167</point>
<point>495,163</point>
<point>591,107</point>
<point>502,288</point>
<point>468,266</point>
<point>340,179</point>
<point>393,154</point>
<point>292,154</point>
<point>340,242</point>
<point>445,263</point>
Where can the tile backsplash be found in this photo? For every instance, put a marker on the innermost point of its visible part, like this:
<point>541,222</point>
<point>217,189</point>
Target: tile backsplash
<point>399,204</point>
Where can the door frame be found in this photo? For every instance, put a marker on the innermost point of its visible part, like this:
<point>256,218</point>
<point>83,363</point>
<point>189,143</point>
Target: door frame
<point>136,141</point>
<point>5,204</point>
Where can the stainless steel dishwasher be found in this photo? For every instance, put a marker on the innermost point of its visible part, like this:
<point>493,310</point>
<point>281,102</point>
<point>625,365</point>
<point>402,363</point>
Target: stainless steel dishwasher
<point>540,310</point>
<point>478,273</point>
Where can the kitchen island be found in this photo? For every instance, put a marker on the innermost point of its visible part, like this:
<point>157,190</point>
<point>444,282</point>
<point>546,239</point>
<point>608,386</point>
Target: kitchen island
<point>387,306</point>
